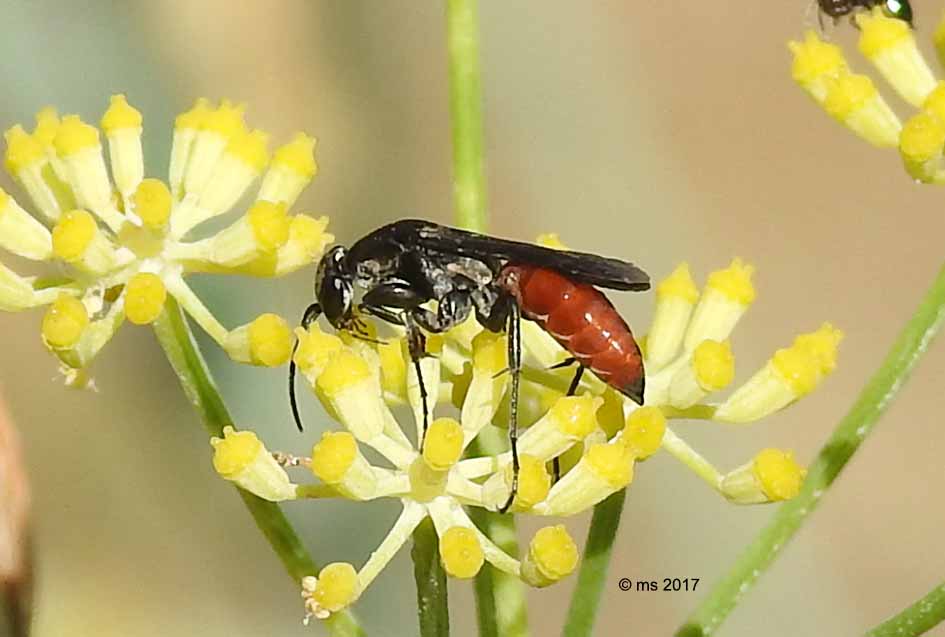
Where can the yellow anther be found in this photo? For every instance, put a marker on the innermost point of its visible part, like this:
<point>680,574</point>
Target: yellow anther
<point>847,94</point>
<point>714,365</point>
<point>643,433</point>
<point>308,235</point>
<point>879,33</point>
<point>534,481</point>
<point>236,451</point>
<point>270,340</point>
<point>490,352</point>
<point>270,225</point>
<point>333,456</point>
<point>73,235</point>
<point>922,139</point>
<point>343,371</point>
<point>551,240</point>
<point>443,444</point>
<point>822,346</point>
<point>815,59</point>
<point>810,357</point>
<point>22,150</point>
<point>241,458</point>
<point>461,552</point>
<point>337,587</point>
<point>195,117</point>
<point>734,282</point>
<point>74,135</point>
<point>152,201</point>
<point>679,284</point>
<point>612,463</point>
<point>47,124</point>
<point>576,415</point>
<point>552,556</point>
<point>796,369</point>
<point>779,474</point>
<point>145,295</point>
<point>227,119</point>
<point>298,155</point>
<point>64,323</point>
<point>315,349</point>
<point>251,149</point>
<point>120,114</point>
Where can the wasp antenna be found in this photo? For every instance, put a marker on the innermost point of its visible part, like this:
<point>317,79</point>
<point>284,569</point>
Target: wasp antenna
<point>292,401</point>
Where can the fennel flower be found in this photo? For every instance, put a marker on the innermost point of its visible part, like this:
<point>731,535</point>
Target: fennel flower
<point>122,240</point>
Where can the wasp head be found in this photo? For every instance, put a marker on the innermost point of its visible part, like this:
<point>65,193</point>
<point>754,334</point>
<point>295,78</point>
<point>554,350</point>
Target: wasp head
<point>334,288</point>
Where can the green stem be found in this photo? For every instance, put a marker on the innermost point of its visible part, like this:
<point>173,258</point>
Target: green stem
<point>469,186</point>
<point>500,597</point>
<point>852,430</point>
<point>187,362</point>
<point>590,584</point>
<point>924,615</point>
<point>432,608</point>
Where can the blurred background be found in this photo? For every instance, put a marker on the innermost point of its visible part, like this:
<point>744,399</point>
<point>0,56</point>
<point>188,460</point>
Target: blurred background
<point>653,131</point>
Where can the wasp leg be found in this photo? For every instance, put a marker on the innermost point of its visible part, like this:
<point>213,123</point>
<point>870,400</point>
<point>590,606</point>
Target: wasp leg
<point>556,463</point>
<point>311,314</point>
<point>570,360</point>
<point>454,308</point>
<point>515,369</point>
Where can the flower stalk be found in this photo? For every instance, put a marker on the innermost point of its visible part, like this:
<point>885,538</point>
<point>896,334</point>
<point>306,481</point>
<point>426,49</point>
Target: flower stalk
<point>188,363</point>
<point>920,617</point>
<point>600,544</point>
<point>500,597</point>
<point>913,341</point>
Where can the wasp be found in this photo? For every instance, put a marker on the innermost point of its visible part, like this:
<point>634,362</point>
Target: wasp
<point>393,272</point>
<point>899,9</point>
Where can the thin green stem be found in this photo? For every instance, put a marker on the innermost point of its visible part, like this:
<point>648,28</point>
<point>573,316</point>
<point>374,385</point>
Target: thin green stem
<point>500,597</point>
<point>432,608</point>
<point>913,341</point>
<point>924,615</point>
<point>600,544</point>
<point>469,186</point>
<point>187,362</point>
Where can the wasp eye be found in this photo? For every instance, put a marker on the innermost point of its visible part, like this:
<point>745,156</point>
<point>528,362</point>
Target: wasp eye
<point>899,9</point>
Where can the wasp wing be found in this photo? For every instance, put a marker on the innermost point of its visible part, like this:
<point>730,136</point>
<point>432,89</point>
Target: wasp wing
<point>583,267</point>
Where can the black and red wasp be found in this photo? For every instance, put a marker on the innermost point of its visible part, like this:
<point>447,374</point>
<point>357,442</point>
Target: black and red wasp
<point>401,266</point>
<point>899,9</point>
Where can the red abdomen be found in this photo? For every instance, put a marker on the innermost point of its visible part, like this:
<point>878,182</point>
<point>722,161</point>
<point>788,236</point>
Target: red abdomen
<point>583,321</point>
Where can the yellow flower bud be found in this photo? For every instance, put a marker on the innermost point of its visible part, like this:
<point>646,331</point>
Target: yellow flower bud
<point>460,552</point>
<point>552,556</point>
<point>443,444</point>
<point>64,323</point>
<point>644,431</point>
<point>152,203</point>
<point>145,295</point>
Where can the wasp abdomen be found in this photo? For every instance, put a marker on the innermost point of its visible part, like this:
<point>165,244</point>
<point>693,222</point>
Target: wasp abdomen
<point>583,321</point>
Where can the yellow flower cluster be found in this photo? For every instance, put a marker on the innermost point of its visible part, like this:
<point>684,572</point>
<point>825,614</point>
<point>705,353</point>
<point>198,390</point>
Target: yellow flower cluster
<point>120,237</point>
<point>596,435</point>
<point>821,69</point>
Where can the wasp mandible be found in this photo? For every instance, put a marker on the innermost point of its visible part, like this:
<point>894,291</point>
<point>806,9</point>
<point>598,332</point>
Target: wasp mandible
<point>401,266</point>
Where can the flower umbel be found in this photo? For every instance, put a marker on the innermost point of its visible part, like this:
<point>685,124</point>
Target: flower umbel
<point>821,69</point>
<point>123,242</point>
<point>597,435</point>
